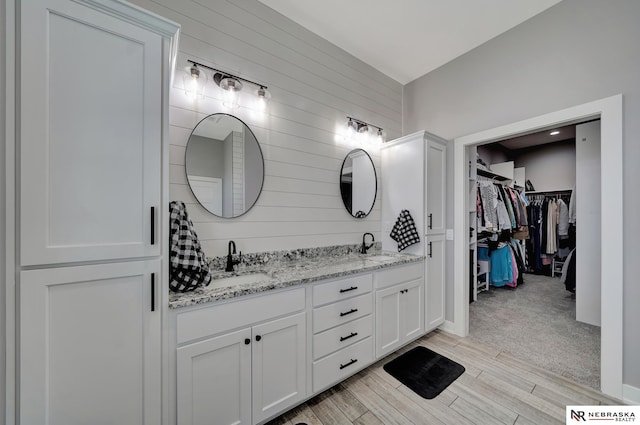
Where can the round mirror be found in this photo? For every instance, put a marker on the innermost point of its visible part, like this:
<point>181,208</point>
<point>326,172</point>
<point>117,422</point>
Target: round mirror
<point>224,165</point>
<point>358,183</point>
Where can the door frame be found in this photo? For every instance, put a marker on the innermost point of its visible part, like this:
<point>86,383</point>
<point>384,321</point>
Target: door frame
<point>610,112</point>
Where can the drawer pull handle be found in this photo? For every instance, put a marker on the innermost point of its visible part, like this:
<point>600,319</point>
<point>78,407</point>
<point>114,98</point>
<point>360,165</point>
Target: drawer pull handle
<point>343,338</point>
<point>431,221</point>
<point>353,310</point>
<point>342,366</point>
<point>247,341</point>
<point>353,288</point>
<point>430,249</point>
<point>258,337</point>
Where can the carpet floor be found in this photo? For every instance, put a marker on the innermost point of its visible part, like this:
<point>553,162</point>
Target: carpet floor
<point>536,322</point>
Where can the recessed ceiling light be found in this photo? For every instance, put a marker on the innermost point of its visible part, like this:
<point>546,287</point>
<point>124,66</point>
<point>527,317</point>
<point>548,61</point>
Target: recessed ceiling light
<point>553,133</point>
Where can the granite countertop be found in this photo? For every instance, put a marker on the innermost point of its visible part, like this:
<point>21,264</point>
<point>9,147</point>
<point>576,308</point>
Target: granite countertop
<point>260,276</point>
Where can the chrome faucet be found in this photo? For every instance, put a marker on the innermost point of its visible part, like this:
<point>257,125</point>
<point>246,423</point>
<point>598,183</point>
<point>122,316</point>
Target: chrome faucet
<point>366,247</point>
<point>230,261</point>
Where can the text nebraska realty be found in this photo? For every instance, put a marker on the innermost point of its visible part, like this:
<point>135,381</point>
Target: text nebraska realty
<point>579,415</point>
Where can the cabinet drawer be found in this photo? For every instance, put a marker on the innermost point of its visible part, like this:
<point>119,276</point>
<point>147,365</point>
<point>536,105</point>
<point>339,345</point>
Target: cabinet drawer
<point>341,312</point>
<point>344,363</point>
<point>399,274</point>
<point>217,318</point>
<point>342,336</point>
<point>329,292</point>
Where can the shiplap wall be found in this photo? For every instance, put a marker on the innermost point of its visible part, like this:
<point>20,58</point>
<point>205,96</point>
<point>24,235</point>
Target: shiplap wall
<point>314,86</point>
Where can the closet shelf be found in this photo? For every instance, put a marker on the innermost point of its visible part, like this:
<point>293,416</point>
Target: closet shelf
<point>492,175</point>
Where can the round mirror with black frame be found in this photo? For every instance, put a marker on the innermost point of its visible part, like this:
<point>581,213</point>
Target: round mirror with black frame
<point>224,165</point>
<point>358,183</point>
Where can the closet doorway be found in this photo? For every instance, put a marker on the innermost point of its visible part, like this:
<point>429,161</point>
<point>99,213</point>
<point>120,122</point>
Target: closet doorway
<point>609,111</point>
<point>523,213</point>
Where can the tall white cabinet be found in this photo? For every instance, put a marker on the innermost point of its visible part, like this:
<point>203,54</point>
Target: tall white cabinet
<point>435,209</point>
<point>414,178</point>
<point>94,78</point>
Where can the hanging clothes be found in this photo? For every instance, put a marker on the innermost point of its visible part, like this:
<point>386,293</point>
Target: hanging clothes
<point>501,269</point>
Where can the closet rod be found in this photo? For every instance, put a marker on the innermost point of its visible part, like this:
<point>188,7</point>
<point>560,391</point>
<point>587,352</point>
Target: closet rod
<point>543,192</point>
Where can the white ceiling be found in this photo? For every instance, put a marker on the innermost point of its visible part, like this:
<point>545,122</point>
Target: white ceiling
<point>406,39</point>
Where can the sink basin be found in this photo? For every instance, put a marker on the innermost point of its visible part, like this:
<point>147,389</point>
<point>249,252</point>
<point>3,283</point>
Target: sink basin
<point>239,280</point>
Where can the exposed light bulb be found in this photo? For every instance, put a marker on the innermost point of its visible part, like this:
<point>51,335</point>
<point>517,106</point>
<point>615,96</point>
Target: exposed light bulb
<point>262,99</point>
<point>351,129</point>
<point>194,82</point>
<point>230,88</point>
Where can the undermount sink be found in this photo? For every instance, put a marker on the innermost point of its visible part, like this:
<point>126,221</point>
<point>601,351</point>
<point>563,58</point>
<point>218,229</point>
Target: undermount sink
<point>239,279</point>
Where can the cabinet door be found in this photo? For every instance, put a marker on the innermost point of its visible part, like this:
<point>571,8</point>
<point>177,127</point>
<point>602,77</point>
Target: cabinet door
<point>90,135</point>
<point>90,345</point>
<point>412,298</point>
<point>435,281</point>
<point>279,365</point>
<point>214,380</point>
<point>388,310</point>
<point>436,186</point>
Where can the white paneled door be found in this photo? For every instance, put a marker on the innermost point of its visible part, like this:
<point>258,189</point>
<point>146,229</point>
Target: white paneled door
<point>90,135</point>
<point>90,344</point>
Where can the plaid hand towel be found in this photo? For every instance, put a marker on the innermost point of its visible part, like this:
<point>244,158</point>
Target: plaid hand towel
<point>189,268</point>
<point>404,231</point>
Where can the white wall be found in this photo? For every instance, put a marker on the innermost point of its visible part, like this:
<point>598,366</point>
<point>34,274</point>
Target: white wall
<point>575,52</point>
<point>314,87</point>
<point>551,166</point>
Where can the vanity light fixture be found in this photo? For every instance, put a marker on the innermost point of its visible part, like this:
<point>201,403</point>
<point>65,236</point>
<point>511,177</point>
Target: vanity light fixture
<point>194,81</point>
<point>231,85</point>
<point>367,133</point>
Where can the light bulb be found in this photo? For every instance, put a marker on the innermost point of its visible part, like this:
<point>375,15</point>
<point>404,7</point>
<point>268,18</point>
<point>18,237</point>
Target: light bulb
<point>351,129</point>
<point>262,98</point>
<point>230,88</point>
<point>194,82</point>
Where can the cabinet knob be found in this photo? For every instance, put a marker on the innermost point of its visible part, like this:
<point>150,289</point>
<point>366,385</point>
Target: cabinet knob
<point>247,341</point>
<point>258,337</point>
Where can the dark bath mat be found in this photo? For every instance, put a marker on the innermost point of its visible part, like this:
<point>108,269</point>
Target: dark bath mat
<point>425,372</point>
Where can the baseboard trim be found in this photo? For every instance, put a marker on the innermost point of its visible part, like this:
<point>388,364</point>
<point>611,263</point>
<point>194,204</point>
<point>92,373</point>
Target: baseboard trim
<point>448,326</point>
<point>630,394</point>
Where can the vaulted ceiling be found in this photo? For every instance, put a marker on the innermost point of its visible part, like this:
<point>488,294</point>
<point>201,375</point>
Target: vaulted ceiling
<point>406,39</point>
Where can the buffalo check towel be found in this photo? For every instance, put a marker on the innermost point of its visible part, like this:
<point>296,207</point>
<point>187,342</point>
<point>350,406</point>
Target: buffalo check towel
<point>404,231</point>
<point>189,268</point>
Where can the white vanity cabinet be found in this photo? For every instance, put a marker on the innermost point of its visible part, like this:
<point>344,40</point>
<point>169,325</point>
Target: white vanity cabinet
<point>342,328</point>
<point>92,161</point>
<point>399,307</point>
<point>243,361</point>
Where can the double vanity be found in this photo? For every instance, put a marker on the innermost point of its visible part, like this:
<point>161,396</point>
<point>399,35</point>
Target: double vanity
<point>286,326</point>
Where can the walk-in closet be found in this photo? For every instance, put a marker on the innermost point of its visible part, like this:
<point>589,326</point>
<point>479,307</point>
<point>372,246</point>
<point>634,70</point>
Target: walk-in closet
<point>530,293</point>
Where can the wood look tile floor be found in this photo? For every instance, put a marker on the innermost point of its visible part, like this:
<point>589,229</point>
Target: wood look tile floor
<point>496,388</point>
